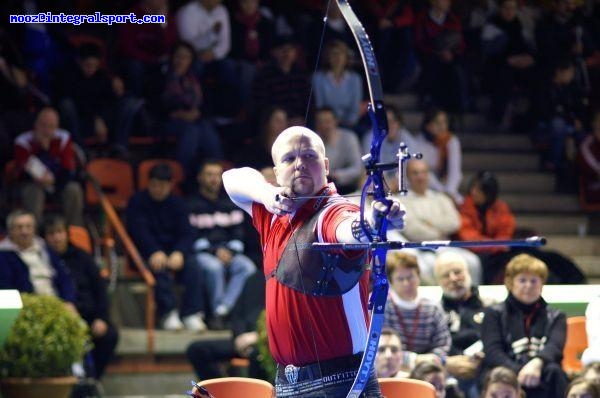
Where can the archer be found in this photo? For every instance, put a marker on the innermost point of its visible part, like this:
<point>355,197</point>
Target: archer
<point>316,304</point>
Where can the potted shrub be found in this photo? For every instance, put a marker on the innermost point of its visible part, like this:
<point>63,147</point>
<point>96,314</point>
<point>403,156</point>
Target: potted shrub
<point>42,345</point>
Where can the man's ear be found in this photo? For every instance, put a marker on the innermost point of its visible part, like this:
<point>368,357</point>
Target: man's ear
<point>326,166</point>
<point>276,171</point>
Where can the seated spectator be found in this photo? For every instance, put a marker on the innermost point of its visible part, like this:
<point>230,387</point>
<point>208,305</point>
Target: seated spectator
<point>157,222</point>
<point>441,150</point>
<point>501,382</point>
<point>483,217</point>
<point>86,97</point>
<point>182,102</point>
<point>388,361</point>
<point>206,355</point>
<point>434,373</point>
<point>46,165</point>
<point>91,299</point>
<point>464,312</point>
<point>282,82</point>
<point>589,163</point>
<point>420,322</point>
<point>562,116</point>
<point>204,24</point>
<point>144,48</point>
<point>342,148</point>
<point>392,25</point>
<point>432,215</point>
<point>338,86</point>
<point>524,334</point>
<point>397,134</point>
<point>440,46</point>
<point>273,121</point>
<point>252,34</point>
<point>26,263</point>
<point>592,326</point>
<point>219,241</point>
<point>582,388</point>
<point>508,60</point>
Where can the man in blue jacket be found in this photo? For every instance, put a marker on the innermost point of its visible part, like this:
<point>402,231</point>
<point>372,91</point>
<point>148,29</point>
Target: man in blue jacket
<point>158,223</point>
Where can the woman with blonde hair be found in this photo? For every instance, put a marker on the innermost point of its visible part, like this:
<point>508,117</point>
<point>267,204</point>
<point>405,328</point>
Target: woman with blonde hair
<point>524,334</point>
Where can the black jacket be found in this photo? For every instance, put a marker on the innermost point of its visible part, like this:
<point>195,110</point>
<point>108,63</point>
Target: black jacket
<point>464,320</point>
<point>505,338</point>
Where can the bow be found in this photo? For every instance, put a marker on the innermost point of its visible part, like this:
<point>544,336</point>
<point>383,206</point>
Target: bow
<point>375,179</point>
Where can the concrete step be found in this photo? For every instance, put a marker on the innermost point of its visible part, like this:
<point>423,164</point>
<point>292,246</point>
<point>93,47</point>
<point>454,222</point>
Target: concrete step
<point>405,102</point>
<point>495,142</point>
<point>144,385</point>
<point>552,224</point>
<point>542,202</point>
<point>133,341</point>
<point>522,182</point>
<point>572,245</point>
<point>522,162</point>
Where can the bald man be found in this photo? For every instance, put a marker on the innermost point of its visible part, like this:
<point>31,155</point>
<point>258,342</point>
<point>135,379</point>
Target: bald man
<point>46,167</point>
<point>316,321</point>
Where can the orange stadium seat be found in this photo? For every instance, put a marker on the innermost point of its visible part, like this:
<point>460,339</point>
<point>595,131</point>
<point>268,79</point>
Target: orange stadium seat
<point>115,178</point>
<point>393,387</point>
<point>575,345</point>
<point>80,237</point>
<point>236,387</point>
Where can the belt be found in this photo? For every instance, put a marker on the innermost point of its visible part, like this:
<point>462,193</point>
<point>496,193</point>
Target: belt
<point>331,370</point>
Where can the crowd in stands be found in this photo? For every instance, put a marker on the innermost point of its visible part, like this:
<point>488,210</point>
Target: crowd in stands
<point>215,84</point>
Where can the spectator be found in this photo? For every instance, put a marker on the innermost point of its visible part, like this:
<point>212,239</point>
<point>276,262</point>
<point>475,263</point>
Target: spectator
<point>508,60</point>
<point>421,323</point>
<point>86,97</point>
<point>440,44</point>
<point>397,134</point>
<point>252,34</point>
<point>282,82</point>
<point>464,312</point>
<point>524,334</point>
<point>592,326</point>
<point>337,86</point>
<point>26,263</point>
<point>392,26</point>
<point>441,150</point>
<point>182,102</point>
<point>432,216</point>
<point>433,373</point>
<point>46,164</point>
<point>589,163</point>
<point>342,148</point>
<point>562,34</point>
<point>219,241</point>
<point>91,299</point>
<point>388,362</point>
<point>206,355</point>
<point>273,121</point>
<point>158,224</point>
<point>502,382</point>
<point>562,116</point>
<point>205,24</point>
<point>582,388</point>
<point>144,48</point>
<point>484,216</point>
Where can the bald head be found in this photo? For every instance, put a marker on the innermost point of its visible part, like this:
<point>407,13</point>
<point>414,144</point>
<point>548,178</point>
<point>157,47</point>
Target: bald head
<point>452,274</point>
<point>294,133</point>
